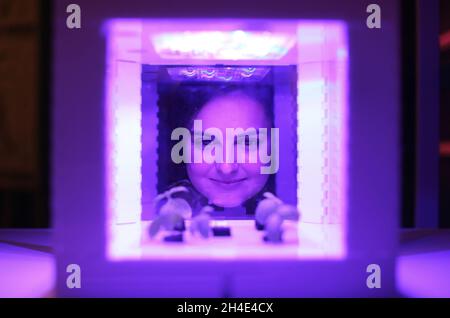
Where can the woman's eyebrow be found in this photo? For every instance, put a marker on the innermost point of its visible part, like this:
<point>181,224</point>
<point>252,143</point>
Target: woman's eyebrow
<point>250,134</point>
<point>200,134</point>
<point>208,136</point>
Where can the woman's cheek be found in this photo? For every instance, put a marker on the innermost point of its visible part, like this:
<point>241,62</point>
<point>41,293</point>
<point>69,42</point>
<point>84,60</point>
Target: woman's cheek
<point>198,171</point>
<point>253,170</point>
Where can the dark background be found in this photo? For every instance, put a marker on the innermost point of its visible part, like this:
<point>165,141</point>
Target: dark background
<point>25,110</point>
<point>444,164</point>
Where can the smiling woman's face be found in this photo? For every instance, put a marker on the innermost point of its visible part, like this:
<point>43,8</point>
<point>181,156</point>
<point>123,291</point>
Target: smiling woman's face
<point>230,184</point>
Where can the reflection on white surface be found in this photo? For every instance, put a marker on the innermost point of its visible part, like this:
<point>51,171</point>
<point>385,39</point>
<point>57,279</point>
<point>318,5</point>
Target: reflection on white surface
<point>319,49</point>
<point>25,273</point>
<point>301,241</point>
<point>222,45</point>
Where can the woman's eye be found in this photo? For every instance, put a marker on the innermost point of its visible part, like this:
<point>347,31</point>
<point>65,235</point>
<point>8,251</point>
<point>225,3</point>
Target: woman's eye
<point>203,142</point>
<point>247,141</point>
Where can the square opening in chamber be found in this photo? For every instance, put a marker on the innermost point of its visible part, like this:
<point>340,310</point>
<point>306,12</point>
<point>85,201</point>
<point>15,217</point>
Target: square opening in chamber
<point>282,80</point>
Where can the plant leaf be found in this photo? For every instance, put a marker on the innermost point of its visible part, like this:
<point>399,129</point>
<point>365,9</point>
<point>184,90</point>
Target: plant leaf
<point>200,224</point>
<point>265,208</point>
<point>171,221</point>
<point>176,206</point>
<point>288,212</point>
<point>175,190</point>
<point>203,226</point>
<point>207,209</point>
<point>273,228</point>
<point>159,197</point>
<point>270,195</point>
<point>155,226</point>
<point>274,222</point>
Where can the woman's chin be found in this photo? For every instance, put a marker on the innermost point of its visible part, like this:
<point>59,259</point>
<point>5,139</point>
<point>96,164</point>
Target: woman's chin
<point>226,203</point>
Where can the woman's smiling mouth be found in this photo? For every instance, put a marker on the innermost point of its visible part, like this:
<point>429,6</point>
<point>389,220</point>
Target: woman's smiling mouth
<point>228,182</point>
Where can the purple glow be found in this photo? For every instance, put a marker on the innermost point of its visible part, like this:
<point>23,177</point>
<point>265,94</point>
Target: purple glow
<point>123,151</point>
<point>320,51</point>
<point>322,112</point>
<point>25,273</point>
<point>423,263</point>
<point>222,45</point>
<point>228,74</point>
<point>318,242</point>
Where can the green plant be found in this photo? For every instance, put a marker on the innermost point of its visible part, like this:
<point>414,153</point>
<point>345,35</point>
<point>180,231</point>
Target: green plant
<point>266,207</point>
<point>270,214</point>
<point>172,213</point>
<point>201,223</point>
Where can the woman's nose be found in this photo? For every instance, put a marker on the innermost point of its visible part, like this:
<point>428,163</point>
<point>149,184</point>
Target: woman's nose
<point>227,168</point>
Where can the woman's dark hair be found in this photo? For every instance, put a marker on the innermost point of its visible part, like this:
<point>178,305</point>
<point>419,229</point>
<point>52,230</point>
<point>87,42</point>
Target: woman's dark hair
<point>178,105</point>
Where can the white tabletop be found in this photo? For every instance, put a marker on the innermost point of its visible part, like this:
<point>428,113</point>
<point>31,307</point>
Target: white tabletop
<point>27,266</point>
